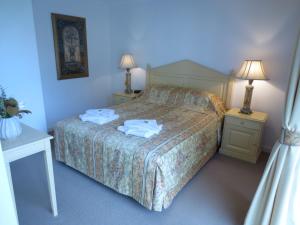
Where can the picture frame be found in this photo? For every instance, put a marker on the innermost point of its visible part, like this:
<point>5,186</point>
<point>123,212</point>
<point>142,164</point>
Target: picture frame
<point>70,44</point>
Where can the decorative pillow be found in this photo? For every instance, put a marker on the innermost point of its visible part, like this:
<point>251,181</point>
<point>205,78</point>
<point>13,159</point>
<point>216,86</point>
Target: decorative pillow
<point>158,94</point>
<point>218,105</point>
<point>185,97</point>
<point>197,98</point>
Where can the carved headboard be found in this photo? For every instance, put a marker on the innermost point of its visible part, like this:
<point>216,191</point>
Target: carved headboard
<point>189,74</point>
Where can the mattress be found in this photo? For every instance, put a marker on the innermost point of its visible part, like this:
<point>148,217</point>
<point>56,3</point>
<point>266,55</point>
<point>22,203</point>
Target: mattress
<point>151,171</point>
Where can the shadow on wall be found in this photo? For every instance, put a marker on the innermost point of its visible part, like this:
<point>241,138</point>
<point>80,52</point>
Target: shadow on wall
<point>138,78</point>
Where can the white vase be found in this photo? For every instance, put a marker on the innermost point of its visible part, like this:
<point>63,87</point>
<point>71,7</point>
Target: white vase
<point>10,128</point>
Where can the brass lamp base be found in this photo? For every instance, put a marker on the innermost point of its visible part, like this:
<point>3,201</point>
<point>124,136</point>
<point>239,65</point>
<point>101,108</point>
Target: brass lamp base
<point>128,89</point>
<point>247,100</point>
<point>246,111</point>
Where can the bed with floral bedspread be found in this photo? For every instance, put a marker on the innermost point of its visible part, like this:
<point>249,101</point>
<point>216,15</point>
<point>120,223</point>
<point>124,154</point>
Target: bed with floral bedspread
<point>151,171</point>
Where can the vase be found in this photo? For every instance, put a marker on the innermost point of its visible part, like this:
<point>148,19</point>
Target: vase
<point>10,128</point>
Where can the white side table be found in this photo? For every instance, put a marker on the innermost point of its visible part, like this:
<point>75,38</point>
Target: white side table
<point>31,141</point>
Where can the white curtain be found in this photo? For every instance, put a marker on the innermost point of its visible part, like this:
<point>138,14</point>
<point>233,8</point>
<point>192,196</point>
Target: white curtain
<point>277,199</point>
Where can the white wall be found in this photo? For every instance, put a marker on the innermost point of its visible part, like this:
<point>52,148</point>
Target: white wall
<point>20,72</point>
<point>65,98</point>
<point>218,34</point>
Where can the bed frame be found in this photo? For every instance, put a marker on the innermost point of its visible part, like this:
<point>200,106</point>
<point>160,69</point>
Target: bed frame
<point>189,74</point>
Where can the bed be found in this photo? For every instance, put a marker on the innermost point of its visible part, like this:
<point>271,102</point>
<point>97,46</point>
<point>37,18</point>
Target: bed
<point>152,171</point>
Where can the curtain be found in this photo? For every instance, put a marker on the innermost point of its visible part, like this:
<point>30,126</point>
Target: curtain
<point>277,199</point>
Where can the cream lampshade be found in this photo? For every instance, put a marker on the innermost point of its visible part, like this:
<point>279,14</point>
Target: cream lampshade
<point>250,70</point>
<point>127,62</point>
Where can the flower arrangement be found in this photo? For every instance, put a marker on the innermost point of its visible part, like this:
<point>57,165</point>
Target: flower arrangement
<point>9,107</point>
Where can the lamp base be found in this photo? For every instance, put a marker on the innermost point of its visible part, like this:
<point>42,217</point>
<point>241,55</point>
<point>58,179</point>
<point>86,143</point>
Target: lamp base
<point>247,100</point>
<point>128,89</point>
<point>246,111</point>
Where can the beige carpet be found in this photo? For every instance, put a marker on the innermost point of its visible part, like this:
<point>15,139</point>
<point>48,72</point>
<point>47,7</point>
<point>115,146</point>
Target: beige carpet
<point>219,194</point>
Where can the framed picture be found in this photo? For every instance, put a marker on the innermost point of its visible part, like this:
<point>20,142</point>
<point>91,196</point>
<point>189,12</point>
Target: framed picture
<point>69,34</point>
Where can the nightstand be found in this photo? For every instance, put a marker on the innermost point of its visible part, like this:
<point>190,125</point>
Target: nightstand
<point>242,134</point>
<point>119,98</point>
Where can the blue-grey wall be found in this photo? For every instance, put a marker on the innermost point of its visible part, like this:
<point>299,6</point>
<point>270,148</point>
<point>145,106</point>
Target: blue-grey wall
<point>218,34</point>
<point>65,98</point>
<point>20,72</point>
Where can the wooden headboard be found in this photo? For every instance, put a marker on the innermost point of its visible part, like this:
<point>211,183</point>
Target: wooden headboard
<point>189,74</point>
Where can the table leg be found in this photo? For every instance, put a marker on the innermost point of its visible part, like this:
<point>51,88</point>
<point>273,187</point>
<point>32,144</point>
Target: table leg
<point>50,177</point>
<point>11,184</point>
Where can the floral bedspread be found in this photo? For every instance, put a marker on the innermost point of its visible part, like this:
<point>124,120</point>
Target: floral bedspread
<point>154,170</point>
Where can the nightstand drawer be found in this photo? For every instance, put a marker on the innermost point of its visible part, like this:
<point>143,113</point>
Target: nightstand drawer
<point>121,99</point>
<point>242,135</point>
<point>242,123</point>
<point>241,140</point>
<point>241,143</point>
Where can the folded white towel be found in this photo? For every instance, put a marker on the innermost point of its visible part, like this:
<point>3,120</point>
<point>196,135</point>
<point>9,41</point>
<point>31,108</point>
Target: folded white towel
<point>98,119</point>
<point>101,112</point>
<point>140,122</point>
<point>150,125</point>
<point>141,128</point>
<point>138,132</point>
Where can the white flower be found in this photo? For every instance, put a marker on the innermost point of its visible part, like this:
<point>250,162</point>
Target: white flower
<point>21,105</point>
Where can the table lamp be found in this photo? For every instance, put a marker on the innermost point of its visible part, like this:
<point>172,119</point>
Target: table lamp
<point>251,70</point>
<point>127,63</point>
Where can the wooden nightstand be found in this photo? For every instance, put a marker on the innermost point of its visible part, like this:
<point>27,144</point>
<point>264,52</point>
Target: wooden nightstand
<point>119,98</point>
<point>242,134</point>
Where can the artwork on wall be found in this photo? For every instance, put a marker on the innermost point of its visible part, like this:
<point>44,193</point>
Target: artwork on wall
<point>69,33</point>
